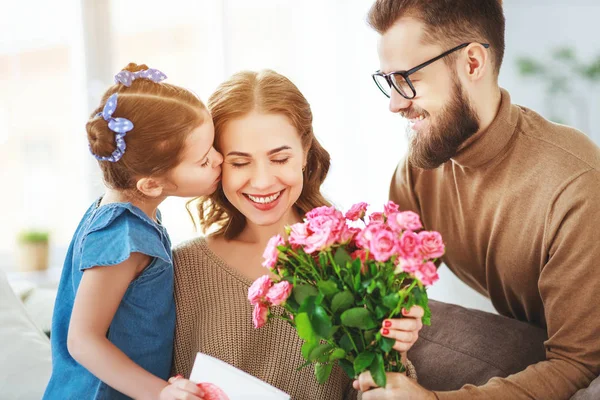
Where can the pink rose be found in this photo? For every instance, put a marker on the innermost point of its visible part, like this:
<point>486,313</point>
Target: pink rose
<point>390,208</point>
<point>348,234</point>
<point>405,220</point>
<point>259,315</point>
<point>376,218</point>
<point>271,253</point>
<point>408,265</point>
<point>383,243</point>
<point>409,245</point>
<point>363,238</point>
<point>357,211</point>
<point>279,293</point>
<point>319,240</point>
<point>259,289</point>
<point>427,274</point>
<point>432,245</point>
<point>326,219</point>
<point>298,234</point>
<point>324,225</point>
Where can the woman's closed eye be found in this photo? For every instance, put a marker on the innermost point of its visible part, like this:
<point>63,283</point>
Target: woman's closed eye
<point>240,164</point>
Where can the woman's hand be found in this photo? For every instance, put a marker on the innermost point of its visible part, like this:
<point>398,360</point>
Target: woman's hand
<point>181,389</point>
<point>404,330</point>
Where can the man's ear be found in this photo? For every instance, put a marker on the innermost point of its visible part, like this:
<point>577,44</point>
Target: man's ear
<point>150,187</point>
<point>477,61</point>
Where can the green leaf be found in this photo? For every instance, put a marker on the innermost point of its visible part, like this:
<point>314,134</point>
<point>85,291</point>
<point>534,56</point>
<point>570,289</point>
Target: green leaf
<point>381,312</point>
<point>369,336</point>
<point>357,279</point>
<point>342,257</point>
<point>328,287</point>
<point>304,328</point>
<point>427,316</point>
<point>362,361</point>
<point>346,344</point>
<point>342,301</point>
<point>322,372</point>
<point>307,348</point>
<point>372,286</point>
<point>386,344</point>
<point>292,304</point>
<point>306,364</point>
<point>358,317</point>
<point>337,354</point>
<point>319,351</point>
<point>347,367</point>
<point>529,66</point>
<point>377,370</point>
<point>356,264</point>
<point>321,322</point>
<point>301,292</point>
<point>391,300</point>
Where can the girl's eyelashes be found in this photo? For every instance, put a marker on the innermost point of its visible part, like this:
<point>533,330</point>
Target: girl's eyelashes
<point>205,163</point>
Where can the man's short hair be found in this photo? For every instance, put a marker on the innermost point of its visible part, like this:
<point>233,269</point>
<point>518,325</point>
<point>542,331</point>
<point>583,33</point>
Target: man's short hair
<point>447,22</point>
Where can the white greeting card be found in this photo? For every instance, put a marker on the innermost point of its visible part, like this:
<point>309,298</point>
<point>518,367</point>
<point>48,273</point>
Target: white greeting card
<point>236,383</point>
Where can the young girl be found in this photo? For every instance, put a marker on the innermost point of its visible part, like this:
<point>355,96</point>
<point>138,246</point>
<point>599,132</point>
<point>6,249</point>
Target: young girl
<point>114,319</point>
<point>272,174</point>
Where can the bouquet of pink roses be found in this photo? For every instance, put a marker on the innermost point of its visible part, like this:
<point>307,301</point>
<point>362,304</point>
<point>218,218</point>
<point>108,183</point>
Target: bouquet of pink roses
<point>340,277</point>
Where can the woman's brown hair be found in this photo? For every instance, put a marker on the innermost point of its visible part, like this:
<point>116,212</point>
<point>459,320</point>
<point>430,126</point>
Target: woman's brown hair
<point>270,93</point>
<point>162,115</point>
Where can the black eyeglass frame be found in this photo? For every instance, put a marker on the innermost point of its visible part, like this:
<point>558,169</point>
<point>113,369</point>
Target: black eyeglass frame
<point>406,74</point>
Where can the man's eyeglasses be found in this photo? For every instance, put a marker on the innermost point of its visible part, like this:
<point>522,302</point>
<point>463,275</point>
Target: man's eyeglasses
<point>400,80</point>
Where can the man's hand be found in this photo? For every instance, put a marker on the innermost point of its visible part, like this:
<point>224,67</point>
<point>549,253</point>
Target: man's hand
<point>398,387</point>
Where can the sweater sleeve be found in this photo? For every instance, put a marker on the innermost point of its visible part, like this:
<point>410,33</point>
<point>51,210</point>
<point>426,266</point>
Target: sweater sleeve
<point>401,188</point>
<point>186,327</point>
<point>568,285</point>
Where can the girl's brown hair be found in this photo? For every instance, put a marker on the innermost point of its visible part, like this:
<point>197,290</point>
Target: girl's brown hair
<point>162,115</point>
<point>270,93</point>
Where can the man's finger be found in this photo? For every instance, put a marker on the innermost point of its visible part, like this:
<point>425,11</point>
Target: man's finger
<point>365,381</point>
<point>374,394</point>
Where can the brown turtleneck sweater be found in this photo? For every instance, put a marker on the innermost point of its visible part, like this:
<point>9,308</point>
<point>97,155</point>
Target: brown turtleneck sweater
<point>519,211</point>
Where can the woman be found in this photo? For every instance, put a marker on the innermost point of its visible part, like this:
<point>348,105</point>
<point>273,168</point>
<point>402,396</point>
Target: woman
<point>272,172</point>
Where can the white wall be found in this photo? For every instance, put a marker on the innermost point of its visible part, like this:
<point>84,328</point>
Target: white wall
<point>325,47</point>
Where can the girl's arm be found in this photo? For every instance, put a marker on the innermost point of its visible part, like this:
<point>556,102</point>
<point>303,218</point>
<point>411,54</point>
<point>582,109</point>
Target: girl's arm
<point>100,292</point>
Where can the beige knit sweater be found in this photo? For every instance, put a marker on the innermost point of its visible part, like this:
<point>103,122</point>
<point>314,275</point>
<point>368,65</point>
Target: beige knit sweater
<point>215,317</point>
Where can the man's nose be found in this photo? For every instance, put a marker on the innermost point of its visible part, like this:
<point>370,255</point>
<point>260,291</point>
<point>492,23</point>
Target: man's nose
<point>398,102</point>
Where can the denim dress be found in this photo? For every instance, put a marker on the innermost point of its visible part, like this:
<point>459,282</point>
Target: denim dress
<point>143,325</point>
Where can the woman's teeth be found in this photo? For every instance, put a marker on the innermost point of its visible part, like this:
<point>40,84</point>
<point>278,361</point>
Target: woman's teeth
<point>264,200</point>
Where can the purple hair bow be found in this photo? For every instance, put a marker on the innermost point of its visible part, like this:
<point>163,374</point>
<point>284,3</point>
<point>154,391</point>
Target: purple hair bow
<point>118,125</point>
<point>127,77</point>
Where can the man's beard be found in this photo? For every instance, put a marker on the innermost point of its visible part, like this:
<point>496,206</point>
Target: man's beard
<point>457,122</point>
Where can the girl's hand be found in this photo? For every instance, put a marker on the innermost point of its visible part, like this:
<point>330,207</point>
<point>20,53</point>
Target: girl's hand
<point>404,330</point>
<point>181,389</point>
